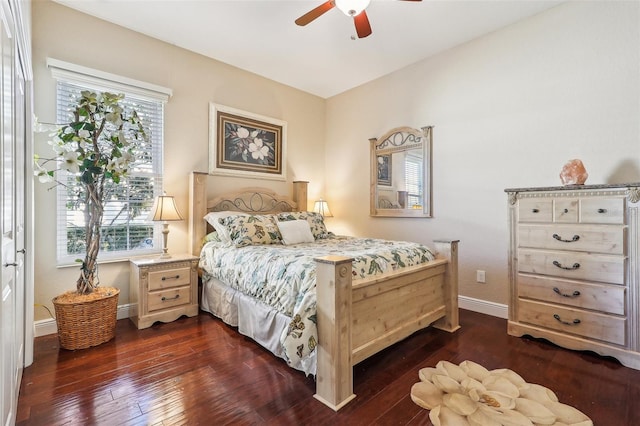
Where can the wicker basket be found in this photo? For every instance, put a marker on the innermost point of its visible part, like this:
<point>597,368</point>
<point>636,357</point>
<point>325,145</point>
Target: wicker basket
<point>86,323</point>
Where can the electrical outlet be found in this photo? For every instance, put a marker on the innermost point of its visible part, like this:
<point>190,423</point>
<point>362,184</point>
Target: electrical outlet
<point>480,276</point>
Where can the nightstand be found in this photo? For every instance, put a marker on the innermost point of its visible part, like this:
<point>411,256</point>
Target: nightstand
<point>163,289</point>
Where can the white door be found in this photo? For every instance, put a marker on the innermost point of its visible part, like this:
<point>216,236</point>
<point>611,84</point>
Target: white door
<point>12,172</point>
<point>20,173</point>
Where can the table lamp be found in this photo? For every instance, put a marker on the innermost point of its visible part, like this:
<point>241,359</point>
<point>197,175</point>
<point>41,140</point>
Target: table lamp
<point>164,209</point>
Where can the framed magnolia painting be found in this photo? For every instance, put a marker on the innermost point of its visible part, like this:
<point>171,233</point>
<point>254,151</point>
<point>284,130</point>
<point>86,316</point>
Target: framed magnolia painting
<point>246,144</point>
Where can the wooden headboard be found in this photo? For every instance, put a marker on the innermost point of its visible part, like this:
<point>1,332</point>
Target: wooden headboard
<point>248,200</point>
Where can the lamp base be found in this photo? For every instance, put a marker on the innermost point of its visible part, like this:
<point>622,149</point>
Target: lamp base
<point>165,234</point>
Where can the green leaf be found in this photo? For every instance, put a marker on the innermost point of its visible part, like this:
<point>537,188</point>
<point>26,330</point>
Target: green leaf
<point>86,178</point>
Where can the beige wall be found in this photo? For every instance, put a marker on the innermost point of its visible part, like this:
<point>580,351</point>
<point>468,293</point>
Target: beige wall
<point>195,81</point>
<point>509,109</point>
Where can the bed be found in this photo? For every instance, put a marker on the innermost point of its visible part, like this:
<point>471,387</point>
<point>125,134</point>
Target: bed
<point>355,314</point>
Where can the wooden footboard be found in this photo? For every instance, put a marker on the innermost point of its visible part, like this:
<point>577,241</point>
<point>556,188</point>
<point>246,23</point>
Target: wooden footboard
<point>357,320</point>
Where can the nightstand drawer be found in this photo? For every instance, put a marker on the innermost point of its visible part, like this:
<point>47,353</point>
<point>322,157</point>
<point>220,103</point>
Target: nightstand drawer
<point>168,278</point>
<point>168,298</point>
<point>598,297</point>
<point>592,325</point>
<point>163,289</point>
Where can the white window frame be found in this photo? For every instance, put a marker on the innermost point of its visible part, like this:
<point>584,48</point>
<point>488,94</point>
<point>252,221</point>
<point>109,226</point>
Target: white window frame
<point>102,81</point>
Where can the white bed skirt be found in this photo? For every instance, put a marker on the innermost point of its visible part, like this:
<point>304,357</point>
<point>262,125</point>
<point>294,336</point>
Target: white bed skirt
<point>253,318</point>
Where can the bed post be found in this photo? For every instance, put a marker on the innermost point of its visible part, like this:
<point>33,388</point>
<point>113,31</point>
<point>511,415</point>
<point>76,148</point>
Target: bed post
<point>448,249</point>
<point>300,194</point>
<point>334,374</point>
<point>198,209</point>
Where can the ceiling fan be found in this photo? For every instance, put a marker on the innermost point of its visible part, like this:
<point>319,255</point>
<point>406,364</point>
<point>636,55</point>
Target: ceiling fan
<point>353,8</point>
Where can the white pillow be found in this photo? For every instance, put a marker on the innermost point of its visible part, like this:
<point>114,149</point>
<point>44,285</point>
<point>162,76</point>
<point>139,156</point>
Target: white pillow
<point>295,231</point>
<point>223,232</point>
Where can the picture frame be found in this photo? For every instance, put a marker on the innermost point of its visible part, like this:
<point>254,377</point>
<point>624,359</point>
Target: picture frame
<point>384,170</point>
<point>244,144</point>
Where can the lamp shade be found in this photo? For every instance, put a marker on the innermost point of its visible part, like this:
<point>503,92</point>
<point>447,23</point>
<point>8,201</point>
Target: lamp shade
<point>164,209</point>
<point>322,207</point>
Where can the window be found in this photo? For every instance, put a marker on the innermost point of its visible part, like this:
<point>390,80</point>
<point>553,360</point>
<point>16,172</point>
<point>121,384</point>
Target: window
<point>413,177</point>
<point>125,226</point>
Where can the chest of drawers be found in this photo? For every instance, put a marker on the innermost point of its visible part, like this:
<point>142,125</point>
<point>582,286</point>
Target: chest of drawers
<point>574,267</point>
<point>163,289</point>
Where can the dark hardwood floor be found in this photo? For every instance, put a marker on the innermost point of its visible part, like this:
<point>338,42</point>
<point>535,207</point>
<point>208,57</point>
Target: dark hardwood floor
<point>200,371</point>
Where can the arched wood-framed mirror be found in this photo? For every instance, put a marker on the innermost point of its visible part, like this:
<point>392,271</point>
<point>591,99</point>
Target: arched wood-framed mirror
<point>401,173</point>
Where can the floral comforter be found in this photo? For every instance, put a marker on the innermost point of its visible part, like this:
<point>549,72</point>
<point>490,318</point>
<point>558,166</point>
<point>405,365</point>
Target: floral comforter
<point>284,277</point>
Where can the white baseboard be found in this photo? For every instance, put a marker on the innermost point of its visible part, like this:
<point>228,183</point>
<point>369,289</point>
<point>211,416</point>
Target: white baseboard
<point>484,307</point>
<point>48,326</point>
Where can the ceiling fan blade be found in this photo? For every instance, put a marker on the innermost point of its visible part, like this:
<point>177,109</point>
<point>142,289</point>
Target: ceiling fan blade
<point>315,13</point>
<point>363,28</point>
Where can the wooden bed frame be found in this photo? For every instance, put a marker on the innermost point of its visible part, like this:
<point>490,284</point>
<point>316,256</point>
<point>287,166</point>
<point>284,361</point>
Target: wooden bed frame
<point>355,320</point>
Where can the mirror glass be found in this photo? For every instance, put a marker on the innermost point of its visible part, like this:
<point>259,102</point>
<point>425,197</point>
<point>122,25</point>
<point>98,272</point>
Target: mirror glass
<point>401,173</point>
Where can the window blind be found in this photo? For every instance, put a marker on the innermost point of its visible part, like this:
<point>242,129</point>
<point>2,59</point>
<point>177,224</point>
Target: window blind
<point>125,225</point>
<point>413,174</point>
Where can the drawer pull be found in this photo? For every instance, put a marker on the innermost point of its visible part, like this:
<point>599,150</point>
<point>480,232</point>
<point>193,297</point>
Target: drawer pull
<point>568,268</point>
<point>559,238</point>
<point>575,321</point>
<point>176,297</point>
<point>535,210</point>
<point>566,210</point>
<point>602,210</point>
<point>574,294</point>
<point>170,278</point>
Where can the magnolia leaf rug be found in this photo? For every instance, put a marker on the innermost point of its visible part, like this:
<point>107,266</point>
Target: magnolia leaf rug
<point>469,394</point>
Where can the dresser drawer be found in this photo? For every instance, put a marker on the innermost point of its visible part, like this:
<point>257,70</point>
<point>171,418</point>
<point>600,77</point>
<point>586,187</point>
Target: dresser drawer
<point>602,210</point>
<point>168,298</point>
<point>535,210</point>
<point>167,278</point>
<point>565,210</point>
<point>591,325</point>
<point>589,238</point>
<point>572,210</point>
<point>598,297</point>
<point>573,265</point>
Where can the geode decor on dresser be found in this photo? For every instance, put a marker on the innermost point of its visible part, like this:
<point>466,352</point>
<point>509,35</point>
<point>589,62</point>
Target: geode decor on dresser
<point>574,173</point>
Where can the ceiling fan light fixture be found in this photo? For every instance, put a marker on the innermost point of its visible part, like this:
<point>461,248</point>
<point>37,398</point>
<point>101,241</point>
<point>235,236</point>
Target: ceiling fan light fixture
<point>352,7</point>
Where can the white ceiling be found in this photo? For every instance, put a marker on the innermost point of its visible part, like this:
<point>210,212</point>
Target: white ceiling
<point>320,58</point>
